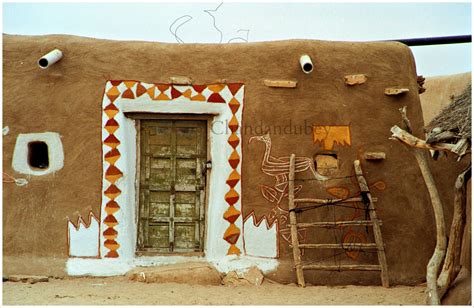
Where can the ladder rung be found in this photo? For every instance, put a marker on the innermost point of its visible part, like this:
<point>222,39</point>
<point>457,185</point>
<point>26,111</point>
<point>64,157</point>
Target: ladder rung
<point>325,201</point>
<point>336,223</point>
<point>347,246</point>
<point>342,267</point>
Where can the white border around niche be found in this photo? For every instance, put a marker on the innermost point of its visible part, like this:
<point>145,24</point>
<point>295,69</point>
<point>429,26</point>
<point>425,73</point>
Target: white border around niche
<point>55,153</point>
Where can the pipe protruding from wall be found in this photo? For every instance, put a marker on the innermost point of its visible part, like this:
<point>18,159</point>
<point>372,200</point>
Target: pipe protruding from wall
<point>306,64</point>
<point>50,58</point>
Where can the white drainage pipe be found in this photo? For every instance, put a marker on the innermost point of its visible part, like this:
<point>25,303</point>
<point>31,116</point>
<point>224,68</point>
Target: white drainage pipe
<point>306,64</point>
<point>50,58</point>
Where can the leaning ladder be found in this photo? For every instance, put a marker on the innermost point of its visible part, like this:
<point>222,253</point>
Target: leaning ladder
<point>365,197</point>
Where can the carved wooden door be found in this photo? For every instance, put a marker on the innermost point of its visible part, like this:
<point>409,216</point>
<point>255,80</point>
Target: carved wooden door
<point>173,155</point>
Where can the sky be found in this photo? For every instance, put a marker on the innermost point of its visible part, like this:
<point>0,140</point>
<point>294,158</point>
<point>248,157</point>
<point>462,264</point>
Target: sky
<point>254,22</point>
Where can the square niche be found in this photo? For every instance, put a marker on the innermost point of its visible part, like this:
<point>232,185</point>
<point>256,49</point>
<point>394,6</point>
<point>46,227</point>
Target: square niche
<point>38,153</point>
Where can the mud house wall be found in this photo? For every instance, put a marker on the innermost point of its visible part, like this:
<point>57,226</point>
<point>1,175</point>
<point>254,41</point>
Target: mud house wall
<point>67,99</point>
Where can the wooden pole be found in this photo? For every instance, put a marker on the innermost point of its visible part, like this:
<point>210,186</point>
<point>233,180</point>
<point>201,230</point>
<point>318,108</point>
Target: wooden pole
<point>336,224</point>
<point>293,223</point>
<point>452,264</point>
<point>364,188</point>
<point>440,250</point>
<point>327,201</point>
<point>346,267</point>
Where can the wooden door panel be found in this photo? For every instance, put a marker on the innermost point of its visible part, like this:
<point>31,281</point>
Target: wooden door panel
<point>172,185</point>
<point>158,236</point>
<point>161,171</point>
<point>186,140</point>
<point>159,204</point>
<point>159,137</point>
<point>186,174</point>
<point>186,205</point>
<point>185,236</point>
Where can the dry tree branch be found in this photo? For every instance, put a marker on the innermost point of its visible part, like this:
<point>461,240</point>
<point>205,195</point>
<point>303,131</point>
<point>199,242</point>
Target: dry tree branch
<point>441,240</point>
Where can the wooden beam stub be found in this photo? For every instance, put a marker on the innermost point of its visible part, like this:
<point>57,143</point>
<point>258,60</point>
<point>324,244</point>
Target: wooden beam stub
<point>280,83</point>
<point>396,91</point>
<point>374,155</point>
<point>181,80</point>
<point>352,80</point>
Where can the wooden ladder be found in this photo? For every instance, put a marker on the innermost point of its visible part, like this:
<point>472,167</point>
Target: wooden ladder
<point>367,199</point>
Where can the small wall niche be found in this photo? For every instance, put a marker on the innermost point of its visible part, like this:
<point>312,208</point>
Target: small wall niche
<point>38,156</point>
<point>326,163</point>
<point>38,153</point>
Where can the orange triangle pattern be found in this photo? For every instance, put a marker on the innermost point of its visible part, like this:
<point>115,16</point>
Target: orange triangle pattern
<point>129,84</point>
<point>187,93</point>
<point>234,105</point>
<point>111,207</point>
<point>198,97</point>
<point>112,192</point>
<point>111,126</point>
<point>234,159</point>
<point>233,250</point>
<point>110,110</point>
<point>128,94</point>
<point>231,197</point>
<point>216,88</point>
<point>233,140</point>
<point>198,88</point>
<point>112,156</point>
<point>112,141</point>
<point>233,124</point>
<point>112,174</point>
<point>113,93</point>
<point>215,98</point>
<point>163,87</point>
<point>151,92</point>
<point>140,89</point>
<point>233,179</point>
<point>112,254</point>
<point>110,234</point>
<point>234,87</point>
<point>162,97</point>
<point>111,244</point>
<point>231,214</point>
<point>175,93</point>
<point>110,221</point>
<point>232,234</point>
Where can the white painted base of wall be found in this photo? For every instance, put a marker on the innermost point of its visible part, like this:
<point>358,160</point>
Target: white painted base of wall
<point>115,267</point>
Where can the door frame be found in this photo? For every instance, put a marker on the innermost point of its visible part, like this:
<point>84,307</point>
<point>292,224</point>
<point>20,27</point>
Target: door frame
<point>138,117</point>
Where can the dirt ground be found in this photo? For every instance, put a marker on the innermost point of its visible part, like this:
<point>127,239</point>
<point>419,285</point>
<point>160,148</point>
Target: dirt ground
<point>120,291</point>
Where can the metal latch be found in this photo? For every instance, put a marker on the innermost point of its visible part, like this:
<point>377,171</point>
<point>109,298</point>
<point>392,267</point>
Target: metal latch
<point>207,166</point>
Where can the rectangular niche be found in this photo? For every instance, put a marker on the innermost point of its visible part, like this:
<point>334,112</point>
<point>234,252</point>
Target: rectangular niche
<point>38,153</point>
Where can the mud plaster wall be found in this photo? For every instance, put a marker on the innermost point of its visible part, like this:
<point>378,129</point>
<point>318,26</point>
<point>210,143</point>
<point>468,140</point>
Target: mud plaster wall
<point>67,99</point>
<point>439,93</point>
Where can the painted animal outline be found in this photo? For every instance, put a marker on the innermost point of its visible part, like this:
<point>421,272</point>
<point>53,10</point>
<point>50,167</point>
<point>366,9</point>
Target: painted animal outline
<point>279,167</point>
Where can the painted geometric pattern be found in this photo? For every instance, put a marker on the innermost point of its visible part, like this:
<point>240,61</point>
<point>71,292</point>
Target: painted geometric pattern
<point>167,92</point>
<point>112,173</point>
<point>232,233</point>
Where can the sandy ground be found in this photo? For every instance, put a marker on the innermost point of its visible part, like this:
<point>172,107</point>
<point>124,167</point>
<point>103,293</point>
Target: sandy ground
<point>120,291</point>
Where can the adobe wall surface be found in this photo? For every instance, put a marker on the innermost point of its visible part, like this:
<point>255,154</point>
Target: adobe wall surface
<point>439,93</point>
<point>68,98</point>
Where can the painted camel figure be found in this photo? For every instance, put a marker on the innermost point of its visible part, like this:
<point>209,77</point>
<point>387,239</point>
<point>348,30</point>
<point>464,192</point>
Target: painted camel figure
<point>279,167</point>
